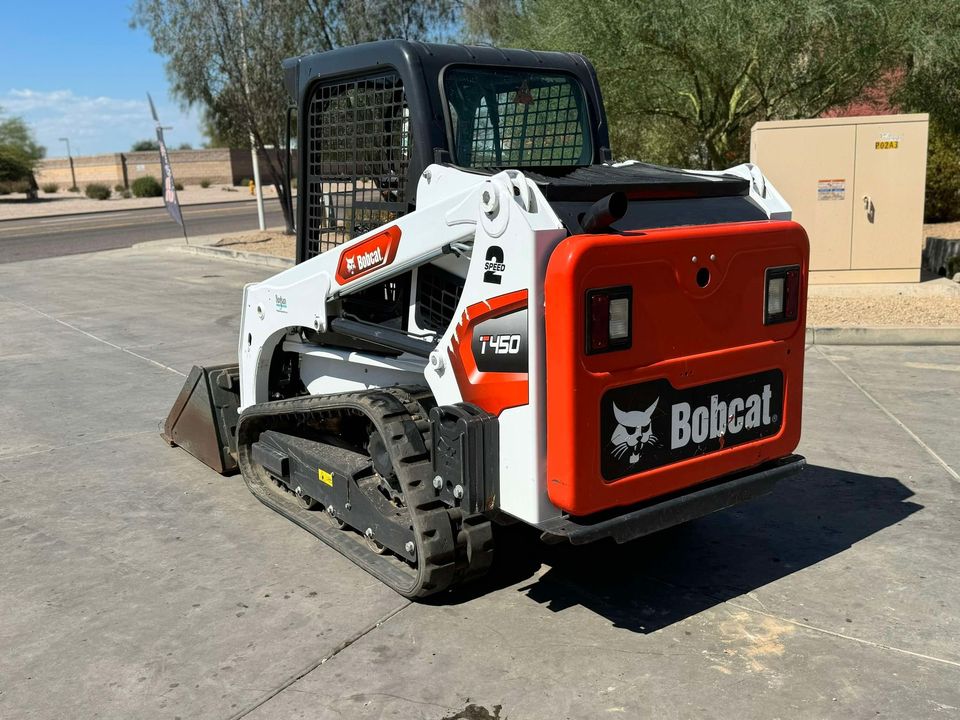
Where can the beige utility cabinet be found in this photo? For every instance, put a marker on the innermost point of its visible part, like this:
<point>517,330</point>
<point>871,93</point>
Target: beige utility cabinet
<point>857,185</point>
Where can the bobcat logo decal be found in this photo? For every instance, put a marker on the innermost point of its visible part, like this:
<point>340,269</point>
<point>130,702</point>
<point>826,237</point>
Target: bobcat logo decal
<point>633,432</point>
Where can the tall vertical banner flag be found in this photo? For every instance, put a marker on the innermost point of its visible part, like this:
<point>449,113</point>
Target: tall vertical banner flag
<point>166,175</point>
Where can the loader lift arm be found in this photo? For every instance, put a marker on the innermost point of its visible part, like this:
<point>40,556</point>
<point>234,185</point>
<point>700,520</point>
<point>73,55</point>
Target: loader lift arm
<point>301,296</point>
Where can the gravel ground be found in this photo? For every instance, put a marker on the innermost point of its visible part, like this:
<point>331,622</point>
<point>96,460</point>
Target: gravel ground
<point>886,310</point>
<point>271,241</point>
<point>950,231</point>
<point>919,305</point>
<point>13,207</point>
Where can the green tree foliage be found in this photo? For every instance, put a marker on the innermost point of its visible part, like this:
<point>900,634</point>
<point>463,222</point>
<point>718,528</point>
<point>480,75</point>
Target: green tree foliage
<point>225,55</point>
<point>931,56</point>
<point>145,146</point>
<point>684,80</point>
<point>19,152</point>
<point>943,176</point>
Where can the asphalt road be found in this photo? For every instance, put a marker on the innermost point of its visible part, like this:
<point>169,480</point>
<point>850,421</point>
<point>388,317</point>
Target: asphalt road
<point>38,238</point>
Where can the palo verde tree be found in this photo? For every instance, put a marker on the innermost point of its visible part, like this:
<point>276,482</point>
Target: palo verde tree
<point>684,80</point>
<point>19,152</point>
<point>225,55</point>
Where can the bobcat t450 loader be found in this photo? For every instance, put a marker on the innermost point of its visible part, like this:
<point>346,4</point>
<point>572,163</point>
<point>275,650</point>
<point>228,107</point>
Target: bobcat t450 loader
<point>489,321</point>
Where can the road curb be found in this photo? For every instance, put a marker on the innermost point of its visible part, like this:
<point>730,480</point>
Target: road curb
<point>238,255</point>
<point>175,241</point>
<point>883,336</point>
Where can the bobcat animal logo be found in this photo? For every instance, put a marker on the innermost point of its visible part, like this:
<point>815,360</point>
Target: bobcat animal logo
<point>633,432</point>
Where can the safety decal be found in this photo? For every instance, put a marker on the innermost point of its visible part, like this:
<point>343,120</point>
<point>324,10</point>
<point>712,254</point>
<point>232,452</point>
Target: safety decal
<point>325,477</point>
<point>831,189</point>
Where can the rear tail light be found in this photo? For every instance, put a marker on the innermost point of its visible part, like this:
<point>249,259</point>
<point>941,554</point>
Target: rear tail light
<point>781,301</point>
<point>609,317</point>
<point>619,318</point>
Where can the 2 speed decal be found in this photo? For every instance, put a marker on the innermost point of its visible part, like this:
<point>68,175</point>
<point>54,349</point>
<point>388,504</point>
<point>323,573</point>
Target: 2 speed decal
<point>493,265</point>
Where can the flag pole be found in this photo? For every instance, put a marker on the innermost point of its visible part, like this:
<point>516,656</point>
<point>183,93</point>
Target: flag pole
<point>170,199</point>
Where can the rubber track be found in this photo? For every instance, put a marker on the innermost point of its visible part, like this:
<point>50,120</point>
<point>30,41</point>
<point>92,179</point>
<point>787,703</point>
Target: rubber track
<point>449,549</point>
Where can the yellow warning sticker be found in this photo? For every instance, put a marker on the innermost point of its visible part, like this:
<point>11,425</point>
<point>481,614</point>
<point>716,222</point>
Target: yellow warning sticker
<point>325,477</point>
<point>887,144</point>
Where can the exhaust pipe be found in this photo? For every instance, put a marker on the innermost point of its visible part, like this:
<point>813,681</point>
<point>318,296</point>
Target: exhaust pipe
<point>604,212</point>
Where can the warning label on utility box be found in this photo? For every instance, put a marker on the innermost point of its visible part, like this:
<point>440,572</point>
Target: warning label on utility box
<point>831,189</point>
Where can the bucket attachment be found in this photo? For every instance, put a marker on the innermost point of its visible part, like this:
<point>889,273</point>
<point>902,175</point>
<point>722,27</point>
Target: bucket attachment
<point>203,420</point>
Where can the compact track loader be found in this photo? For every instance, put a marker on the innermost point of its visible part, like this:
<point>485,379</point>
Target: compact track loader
<point>490,321</point>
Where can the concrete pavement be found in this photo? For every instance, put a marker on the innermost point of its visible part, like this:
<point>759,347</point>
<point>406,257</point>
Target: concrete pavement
<point>135,582</point>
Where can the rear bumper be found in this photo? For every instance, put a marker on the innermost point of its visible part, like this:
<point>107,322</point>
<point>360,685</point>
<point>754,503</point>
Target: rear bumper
<point>649,517</point>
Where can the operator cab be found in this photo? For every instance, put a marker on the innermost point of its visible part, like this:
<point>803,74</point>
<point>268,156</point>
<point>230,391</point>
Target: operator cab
<point>378,114</point>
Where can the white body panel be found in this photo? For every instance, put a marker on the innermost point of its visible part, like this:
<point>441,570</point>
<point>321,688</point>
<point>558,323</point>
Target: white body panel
<point>527,230</point>
<point>326,370</point>
<point>762,191</point>
<point>461,214</point>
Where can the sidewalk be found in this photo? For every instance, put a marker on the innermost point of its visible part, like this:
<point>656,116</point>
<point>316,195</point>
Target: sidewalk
<point>16,207</point>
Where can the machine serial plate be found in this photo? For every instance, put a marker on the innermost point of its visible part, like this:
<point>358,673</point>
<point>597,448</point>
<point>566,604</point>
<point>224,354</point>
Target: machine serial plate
<point>651,424</point>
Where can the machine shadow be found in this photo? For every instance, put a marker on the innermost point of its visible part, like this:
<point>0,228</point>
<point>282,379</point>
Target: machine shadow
<point>655,581</point>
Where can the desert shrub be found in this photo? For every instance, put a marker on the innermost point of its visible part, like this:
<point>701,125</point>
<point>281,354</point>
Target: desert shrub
<point>118,188</point>
<point>73,189</point>
<point>943,177</point>
<point>125,193</point>
<point>204,183</point>
<point>96,191</point>
<point>50,187</point>
<point>14,186</point>
<point>147,186</point>
<point>178,186</point>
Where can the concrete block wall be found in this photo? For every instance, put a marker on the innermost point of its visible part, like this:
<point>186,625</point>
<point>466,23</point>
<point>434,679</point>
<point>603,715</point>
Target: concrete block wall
<point>223,166</point>
<point>105,169</point>
<point>189,166</point>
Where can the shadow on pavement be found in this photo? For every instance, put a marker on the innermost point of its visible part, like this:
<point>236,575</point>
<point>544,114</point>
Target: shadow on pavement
<point>658,580</point>
<point>21,199</point>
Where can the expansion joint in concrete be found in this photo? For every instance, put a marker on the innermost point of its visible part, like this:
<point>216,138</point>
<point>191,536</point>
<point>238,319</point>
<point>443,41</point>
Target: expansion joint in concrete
<point>916,438</point>
<point>296,677</point>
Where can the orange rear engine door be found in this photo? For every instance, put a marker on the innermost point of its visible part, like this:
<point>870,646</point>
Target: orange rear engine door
<point>706,388</point>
